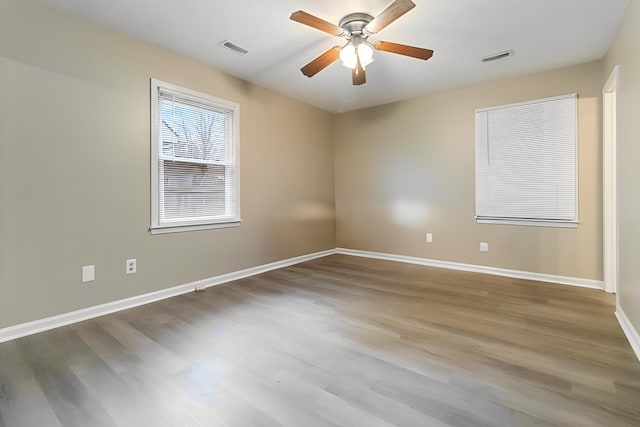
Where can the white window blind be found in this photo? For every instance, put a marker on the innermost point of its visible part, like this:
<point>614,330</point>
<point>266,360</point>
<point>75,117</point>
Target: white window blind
<point>194,160</point>
<point>526,158</point>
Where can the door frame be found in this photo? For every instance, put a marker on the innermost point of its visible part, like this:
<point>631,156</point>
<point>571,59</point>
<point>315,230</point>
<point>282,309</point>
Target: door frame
<point>610,139</point>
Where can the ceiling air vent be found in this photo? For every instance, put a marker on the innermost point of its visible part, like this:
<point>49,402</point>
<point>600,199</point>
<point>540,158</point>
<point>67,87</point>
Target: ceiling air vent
<point>497,56</point>
<point>233,47</point>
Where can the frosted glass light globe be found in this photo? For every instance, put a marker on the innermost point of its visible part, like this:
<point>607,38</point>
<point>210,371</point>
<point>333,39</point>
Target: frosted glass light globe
<point>348,55</point>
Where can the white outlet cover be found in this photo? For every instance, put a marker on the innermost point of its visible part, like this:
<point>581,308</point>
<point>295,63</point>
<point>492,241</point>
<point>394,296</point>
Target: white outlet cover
<point>429,237</point>
<point>88,273</point>
<point>131,266</point>
<point>484,247</point>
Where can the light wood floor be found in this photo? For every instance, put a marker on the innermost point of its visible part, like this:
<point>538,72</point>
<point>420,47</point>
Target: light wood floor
<point>339,341</point>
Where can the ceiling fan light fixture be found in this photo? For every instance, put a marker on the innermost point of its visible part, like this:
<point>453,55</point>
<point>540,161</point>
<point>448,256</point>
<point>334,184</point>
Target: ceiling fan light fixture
<point>349,52</point>
<point>357,53</point>
<point>365,52</point>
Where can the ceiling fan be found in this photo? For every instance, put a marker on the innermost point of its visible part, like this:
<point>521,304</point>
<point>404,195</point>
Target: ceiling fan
<point>357,53</point>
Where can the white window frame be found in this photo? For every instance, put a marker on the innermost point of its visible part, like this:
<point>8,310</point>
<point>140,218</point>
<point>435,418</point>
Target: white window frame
<point>232,191</point>
<point>483,150</point>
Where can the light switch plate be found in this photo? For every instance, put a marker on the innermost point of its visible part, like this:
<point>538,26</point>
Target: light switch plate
<point>88,273</point>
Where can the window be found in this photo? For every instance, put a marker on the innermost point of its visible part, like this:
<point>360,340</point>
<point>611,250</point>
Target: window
<point>194,170</point>
<point>526,158</point>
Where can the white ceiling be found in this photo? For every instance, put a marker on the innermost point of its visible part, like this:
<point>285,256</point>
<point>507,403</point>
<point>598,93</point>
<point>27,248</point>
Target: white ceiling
<point>544,34</point>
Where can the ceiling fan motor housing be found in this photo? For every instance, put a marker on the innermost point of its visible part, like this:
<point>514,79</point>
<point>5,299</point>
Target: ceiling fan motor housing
<point>354,23</point>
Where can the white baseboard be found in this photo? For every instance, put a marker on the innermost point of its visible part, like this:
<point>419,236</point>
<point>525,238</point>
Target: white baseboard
<point>632,335</point>
<point>540,277</point>
<point>29,328</point>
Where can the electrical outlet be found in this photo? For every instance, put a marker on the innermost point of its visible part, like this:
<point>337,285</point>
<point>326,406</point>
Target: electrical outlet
<point>88,273</point>
<point>131,267</point>
<point>429,238</point>
<point>484,247</point>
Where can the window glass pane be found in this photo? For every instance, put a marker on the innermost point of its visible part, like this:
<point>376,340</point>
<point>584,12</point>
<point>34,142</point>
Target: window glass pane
<point>192,133</point>
<point>193,190</point>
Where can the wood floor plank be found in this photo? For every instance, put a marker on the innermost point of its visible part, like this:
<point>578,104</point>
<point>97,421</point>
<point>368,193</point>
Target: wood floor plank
<point>22,401</point>
<point>50,359</point>
<point>338,341</point>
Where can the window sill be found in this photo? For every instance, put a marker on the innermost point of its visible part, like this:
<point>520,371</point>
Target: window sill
<point>185,228</point>
<point>528,222</point>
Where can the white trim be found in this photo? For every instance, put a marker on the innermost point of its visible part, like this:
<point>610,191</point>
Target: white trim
<point>29,328</point>
<point>527,222</point>
<point>524,103</point>
<point>610,181</point>
<point>182,228</point>
<point>517,274</point>
<point>629,331</point>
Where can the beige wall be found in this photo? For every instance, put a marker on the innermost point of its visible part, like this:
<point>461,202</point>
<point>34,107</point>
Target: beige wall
<point>625,52</point>
<point>74,169</point>
<point>407,168</point>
